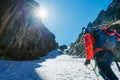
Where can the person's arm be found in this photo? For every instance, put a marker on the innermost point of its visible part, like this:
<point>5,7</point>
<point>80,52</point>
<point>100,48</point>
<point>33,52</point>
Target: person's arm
<point>117,34</point>
<point>88,42</point>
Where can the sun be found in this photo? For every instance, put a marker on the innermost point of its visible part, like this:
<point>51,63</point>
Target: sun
<point>42,13</point>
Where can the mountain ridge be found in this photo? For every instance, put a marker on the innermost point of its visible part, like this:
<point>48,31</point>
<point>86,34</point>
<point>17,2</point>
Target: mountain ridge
<point>110,17</point>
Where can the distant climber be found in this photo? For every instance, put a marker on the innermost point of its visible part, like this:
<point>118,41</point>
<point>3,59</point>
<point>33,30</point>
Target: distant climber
<point>99,45</point>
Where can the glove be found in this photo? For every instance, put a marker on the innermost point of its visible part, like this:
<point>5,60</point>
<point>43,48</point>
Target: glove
<point>87,62</point>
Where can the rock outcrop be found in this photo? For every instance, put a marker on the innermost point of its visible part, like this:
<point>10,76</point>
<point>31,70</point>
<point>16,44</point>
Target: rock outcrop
<point>22,35</point>
<point>111,17</point>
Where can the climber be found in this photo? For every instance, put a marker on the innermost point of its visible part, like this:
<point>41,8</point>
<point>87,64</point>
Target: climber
<point>99,45</point>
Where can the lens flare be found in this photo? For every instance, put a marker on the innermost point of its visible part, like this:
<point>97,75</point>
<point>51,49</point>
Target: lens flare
<point>42,13</point>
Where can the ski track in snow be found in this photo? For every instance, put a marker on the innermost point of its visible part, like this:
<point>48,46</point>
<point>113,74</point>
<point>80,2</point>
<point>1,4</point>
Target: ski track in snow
<point>51,67</point>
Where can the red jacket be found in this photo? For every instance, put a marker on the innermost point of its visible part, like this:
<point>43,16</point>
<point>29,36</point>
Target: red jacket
<point>88,42</point>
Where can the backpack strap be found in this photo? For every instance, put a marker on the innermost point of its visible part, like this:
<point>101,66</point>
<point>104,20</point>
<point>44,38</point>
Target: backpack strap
<point>95,33</point>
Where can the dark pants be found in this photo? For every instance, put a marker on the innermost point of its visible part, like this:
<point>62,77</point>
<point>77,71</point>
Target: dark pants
<point>103,60</point>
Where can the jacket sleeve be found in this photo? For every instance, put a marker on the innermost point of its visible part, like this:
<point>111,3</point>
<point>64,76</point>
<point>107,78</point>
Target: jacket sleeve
<point>117,35</point>
<point>88,42</point>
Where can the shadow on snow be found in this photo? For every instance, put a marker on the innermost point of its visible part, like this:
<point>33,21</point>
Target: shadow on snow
<point>23,70</point>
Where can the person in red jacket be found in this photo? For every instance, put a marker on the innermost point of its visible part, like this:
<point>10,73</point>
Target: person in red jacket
<point>88,42</point>
<point>102,56</point>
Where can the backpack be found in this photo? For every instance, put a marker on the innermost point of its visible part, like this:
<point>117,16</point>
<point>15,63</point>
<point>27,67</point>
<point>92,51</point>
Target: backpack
<point>103,40</point>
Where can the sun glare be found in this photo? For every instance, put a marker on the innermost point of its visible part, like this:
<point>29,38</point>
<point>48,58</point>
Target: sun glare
<point>42,13</point>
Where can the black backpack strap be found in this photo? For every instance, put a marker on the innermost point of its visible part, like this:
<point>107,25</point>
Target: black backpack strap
<point>96,33</point>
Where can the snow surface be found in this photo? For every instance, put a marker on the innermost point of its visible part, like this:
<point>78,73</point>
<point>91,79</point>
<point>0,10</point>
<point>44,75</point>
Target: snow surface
<point>54,66</point>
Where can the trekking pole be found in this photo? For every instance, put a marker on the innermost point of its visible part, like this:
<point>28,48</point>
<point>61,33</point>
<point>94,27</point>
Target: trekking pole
<point>94,70</point>
<point>117,65</point>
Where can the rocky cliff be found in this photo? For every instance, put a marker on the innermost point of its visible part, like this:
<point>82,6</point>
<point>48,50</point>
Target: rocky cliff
<point>111,17</point>
<point>22,35</point>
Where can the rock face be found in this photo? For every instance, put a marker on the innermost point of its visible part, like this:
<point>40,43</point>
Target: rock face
<point>110,17</point>
<point>22,35</point>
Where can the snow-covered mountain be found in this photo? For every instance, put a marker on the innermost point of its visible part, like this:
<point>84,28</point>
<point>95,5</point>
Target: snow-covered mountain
<point>54,66</point>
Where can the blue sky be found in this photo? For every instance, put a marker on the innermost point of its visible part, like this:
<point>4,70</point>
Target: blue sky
<point>65,18</point>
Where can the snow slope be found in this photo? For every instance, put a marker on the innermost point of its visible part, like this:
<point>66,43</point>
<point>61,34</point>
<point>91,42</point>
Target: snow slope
<point>51,67</point>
